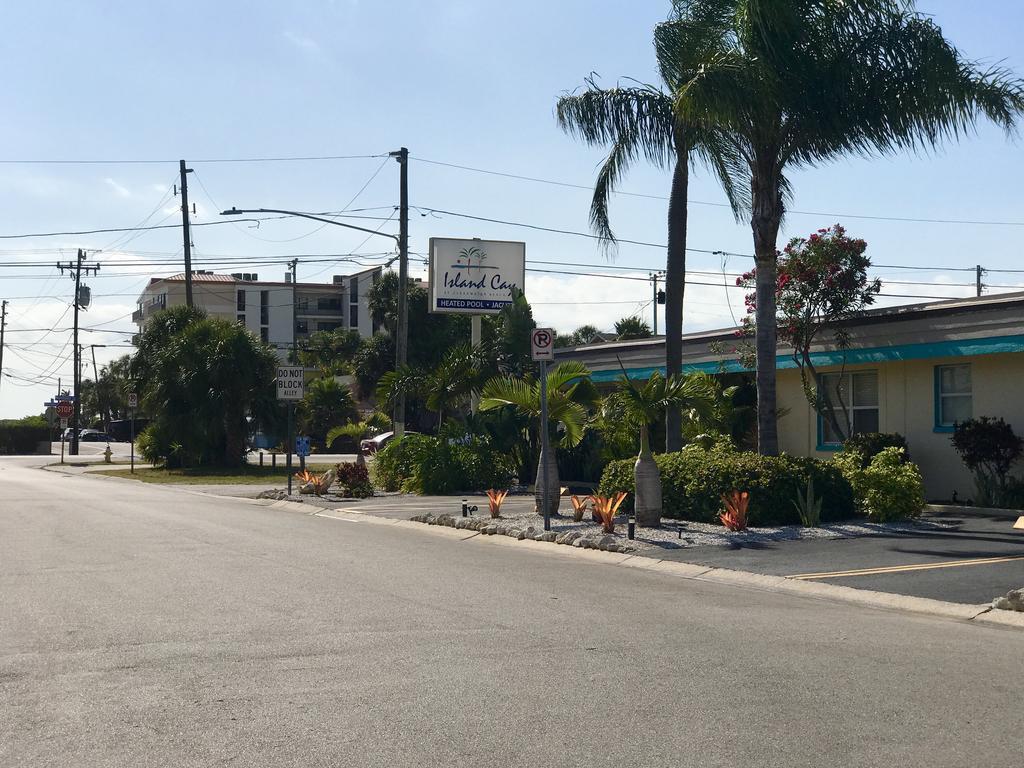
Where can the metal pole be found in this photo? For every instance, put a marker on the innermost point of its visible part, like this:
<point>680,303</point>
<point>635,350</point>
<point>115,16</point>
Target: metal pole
<point>133,440</point>
<point>186,232</point>
<point>977,279</point>
<point>544,447</point>
<point>401,343</point>
<point>288,449</point>
<point>654,304</point>
<point>295,339</point>
<point>476,338</point>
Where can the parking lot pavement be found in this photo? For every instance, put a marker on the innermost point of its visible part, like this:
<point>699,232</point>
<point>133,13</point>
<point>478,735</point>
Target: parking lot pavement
<point>981,557</point>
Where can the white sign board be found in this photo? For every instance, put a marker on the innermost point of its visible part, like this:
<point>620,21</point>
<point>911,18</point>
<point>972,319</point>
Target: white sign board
<point>542,344</point>
<point>289,382</point>
<point>475,277</point>
<point>133,400</point>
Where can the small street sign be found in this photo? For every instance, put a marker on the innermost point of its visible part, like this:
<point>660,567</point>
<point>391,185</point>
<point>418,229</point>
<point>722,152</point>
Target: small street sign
<point>65,398</point>
<point>133,400</point>
<point>65,410</point>
<point>50,404</point>
<point>542,344</point>
<point>63,423</point>
<point>302,446</point>
<point>290,382</point>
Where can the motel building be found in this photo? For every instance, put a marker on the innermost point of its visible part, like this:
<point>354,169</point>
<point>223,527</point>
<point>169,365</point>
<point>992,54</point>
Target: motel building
<point>914,369</point>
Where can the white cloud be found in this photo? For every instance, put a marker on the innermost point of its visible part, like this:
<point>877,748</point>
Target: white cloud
<point>119,189</point>
<point>307,44</point>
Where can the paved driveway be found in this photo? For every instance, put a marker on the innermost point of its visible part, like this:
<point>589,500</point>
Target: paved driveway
<point>973,562</point>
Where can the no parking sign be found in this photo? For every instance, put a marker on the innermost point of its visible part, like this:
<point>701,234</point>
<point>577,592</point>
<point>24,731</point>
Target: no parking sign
<point>542,344</point>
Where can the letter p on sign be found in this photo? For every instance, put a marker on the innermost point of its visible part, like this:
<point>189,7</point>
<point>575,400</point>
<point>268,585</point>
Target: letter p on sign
<point>542,344</point>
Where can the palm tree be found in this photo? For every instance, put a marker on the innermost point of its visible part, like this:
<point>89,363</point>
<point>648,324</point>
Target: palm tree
<point>639,121</point>
<point>632,328</point>
<point>442,388</point>
<point>801,82</point>
<point>640,405</point>
<point>570,396</point>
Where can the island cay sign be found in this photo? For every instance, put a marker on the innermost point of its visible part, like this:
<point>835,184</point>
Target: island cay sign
<point>475,277</point>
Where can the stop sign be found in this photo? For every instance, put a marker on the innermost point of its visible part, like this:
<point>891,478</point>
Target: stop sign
<point>65,409</point>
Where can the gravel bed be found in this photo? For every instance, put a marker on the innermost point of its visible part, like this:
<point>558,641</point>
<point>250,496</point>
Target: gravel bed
<point>682,533</point>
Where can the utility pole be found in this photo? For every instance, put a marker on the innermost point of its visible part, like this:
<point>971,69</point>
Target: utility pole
<point>978,272</point>
<point>186,231</point>
<point>77,380</point>
<point>3,326</point>
<point>295,339</point>
<point>402,342</point>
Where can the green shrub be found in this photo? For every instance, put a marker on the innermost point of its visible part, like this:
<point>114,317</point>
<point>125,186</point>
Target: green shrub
<point>22,436</point>
<point>694,480</point>
<point>890,488</point>
<point>989,448</point>
<point>870,444</point>
<point>439,465</point>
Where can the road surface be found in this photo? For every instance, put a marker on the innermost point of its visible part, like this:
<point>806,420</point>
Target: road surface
<point>151,626</point>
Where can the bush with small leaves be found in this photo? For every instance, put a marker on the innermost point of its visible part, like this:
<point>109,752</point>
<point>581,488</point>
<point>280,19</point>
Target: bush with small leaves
<point>888,489</point>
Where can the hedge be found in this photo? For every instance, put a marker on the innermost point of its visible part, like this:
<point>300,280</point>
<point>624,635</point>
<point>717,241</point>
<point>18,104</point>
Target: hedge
<point>438,465</point>
<point>694,479</point>
<point>22,439</point>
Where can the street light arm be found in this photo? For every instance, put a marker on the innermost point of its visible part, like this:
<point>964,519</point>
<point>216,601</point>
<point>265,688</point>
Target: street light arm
<point>300,214</point>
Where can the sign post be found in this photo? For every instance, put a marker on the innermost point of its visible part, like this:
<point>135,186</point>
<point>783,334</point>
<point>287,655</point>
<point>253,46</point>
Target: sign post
<point>133,403</point>
<point>542,349</point>
<point>65,409</point>
<point>290,387</point>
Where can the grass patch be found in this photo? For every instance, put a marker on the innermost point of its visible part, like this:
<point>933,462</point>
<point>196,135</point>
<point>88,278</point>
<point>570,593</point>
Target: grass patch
<point>245,475</point>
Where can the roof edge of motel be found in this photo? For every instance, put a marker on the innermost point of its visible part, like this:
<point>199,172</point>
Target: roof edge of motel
<point>950,327</point>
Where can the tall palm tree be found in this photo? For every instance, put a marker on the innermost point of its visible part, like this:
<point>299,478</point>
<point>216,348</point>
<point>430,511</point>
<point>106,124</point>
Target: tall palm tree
<point>801,82</point>
<point>640,405</point>
<point>639,122</point>
<point>571,395</point>
<point>443,387</point>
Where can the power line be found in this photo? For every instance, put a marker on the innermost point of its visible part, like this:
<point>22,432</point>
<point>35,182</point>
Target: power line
<point>282,159</point>
<point>552,182</point>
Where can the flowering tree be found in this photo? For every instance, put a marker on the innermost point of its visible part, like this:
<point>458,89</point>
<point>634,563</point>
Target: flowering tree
<point>822,283</point>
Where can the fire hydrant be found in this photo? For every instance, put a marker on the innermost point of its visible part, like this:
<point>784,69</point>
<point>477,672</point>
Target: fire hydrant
<point>107,454</point>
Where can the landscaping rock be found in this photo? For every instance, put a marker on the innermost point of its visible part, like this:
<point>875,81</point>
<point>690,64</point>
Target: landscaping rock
<point>522,535</point>
<point>1013,601</point>
<point>607,541</point>
<point>547,536</point>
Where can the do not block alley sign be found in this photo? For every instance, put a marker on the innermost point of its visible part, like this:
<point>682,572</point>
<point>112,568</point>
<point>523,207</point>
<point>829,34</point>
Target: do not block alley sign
<point>289,382</point>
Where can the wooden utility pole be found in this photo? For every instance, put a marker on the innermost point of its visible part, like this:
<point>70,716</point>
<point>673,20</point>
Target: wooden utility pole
<point>3,326</point>
<point>402,342</point>
<point>78,267</point>
<point>186,231</point>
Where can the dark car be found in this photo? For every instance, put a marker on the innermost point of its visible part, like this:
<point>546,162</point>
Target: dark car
<point>92,436</point>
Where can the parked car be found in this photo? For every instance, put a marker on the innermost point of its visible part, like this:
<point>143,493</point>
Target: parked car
<point>371,445</point>
<point>93,436</point>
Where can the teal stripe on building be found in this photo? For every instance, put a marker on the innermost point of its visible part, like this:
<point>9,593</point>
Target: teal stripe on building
<point>954,348</point>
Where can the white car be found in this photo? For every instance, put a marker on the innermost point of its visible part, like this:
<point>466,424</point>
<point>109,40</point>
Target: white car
<point>371,445</point>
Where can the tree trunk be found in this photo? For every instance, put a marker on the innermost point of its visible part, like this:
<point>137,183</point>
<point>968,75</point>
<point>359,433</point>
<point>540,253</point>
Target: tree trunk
<point>765,222</point>
<point>552,495</point>
<point>675,284</point>
<point>647,479</point>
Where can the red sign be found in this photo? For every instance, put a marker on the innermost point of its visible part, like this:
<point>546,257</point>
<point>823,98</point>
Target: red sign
<point>65,409</point>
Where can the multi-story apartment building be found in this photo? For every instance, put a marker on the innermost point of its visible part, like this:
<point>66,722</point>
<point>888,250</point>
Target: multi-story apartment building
<point>280,313</point>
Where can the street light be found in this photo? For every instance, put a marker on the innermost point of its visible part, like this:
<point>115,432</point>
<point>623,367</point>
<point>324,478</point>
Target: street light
<point>402,241</point>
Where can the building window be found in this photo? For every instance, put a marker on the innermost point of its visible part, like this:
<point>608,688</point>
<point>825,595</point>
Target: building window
<point>854,398</point>
<point>302,326</point>
<point>353,290</point>
<point>328,326</point>
<point>265,335</point>
<point>241,320</point>
<point>353,316</point>
<point>953,396</point>
<point>264,307</point>
<point>328,304</point>
<point>241,301</point>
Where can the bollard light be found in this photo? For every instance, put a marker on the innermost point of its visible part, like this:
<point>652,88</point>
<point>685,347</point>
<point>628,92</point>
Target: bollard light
<point>631,528</point>
<point>465,508</point>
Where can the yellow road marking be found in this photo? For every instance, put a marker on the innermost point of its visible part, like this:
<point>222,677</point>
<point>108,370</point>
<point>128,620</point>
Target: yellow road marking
<point>904,568</point>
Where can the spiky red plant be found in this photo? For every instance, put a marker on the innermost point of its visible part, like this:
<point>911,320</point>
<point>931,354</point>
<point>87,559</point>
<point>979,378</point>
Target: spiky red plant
<point>735,515</point>
<point>494,501</point>
<point>605,508</point>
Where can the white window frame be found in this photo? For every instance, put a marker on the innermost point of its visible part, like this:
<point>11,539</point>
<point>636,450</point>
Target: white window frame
<point>848,406</point>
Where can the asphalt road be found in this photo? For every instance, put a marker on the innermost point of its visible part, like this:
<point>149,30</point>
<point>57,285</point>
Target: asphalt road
<point>151,626</point>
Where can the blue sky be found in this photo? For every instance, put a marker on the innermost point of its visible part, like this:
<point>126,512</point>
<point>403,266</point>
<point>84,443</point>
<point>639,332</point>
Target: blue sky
<point>468,83</point>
